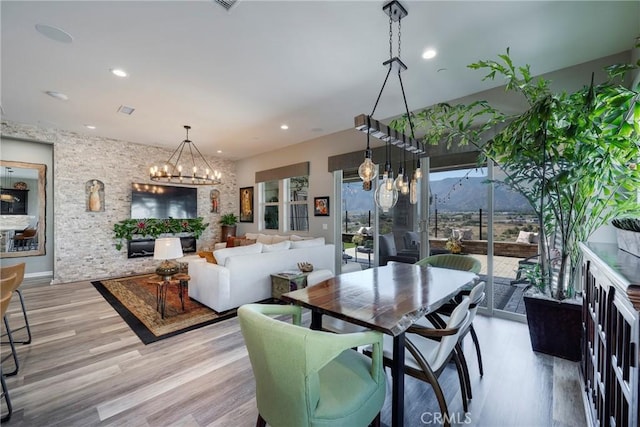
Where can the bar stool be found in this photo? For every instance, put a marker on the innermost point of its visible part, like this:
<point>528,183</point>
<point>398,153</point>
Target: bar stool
<point>18,269</point>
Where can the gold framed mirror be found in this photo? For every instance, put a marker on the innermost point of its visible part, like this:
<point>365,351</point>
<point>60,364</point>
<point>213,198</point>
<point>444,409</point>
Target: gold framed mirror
<point>22,209</point>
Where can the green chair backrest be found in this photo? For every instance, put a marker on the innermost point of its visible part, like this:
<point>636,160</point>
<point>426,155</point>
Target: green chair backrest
<point>452,261</point>
<point>286,359</point>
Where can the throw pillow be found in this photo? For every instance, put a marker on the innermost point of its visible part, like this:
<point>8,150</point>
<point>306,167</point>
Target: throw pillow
<point>277,247</point>
<point>252,236</point>
<point>319,241</point>
<point>524,237</point>
<point>208,255</point>
<point>239,241</point>
<point>222,254</point>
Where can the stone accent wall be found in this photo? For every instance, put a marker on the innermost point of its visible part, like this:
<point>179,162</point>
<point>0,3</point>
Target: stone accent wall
<point>84,247</point>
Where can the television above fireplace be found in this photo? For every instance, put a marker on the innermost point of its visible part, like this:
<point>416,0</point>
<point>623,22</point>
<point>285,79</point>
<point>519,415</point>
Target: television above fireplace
<point>163,201</point>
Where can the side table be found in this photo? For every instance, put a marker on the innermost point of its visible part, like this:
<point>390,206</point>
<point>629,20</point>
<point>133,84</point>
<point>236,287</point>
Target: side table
<point>281,283</point>
<point>181,280</point>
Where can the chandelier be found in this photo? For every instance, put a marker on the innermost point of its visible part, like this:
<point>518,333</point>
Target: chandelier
<point>386,196</point>
<point>196,172</point>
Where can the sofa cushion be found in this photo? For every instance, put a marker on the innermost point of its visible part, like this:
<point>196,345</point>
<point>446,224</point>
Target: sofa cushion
<point>278,239</point>
<point>319,241</point>
<point>221,255</point>
<point>252,236</point>
<point>265,239</point>
<point>277,247</point>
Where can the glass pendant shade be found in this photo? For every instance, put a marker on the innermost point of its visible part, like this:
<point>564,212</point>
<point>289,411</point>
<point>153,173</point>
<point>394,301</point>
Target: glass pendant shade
<point>398,182</point>
<point>389,182</point>
<point>368,170</point>
<point>413,191</point>
<point>405,186</point>
<point>385,198</point>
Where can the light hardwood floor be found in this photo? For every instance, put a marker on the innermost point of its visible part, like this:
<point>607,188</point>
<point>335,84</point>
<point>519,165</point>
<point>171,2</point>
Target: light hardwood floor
<point>85,367</point>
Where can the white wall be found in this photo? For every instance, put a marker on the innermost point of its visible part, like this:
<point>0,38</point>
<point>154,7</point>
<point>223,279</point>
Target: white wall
<point>316,152</point>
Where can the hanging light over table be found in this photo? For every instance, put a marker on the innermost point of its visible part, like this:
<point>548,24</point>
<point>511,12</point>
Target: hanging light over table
<point>387,197</point>
<point>195,172</point>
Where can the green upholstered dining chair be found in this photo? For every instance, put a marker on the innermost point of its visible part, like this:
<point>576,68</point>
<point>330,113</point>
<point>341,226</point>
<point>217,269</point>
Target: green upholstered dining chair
<point>311,378</point>
<point>452,261</point>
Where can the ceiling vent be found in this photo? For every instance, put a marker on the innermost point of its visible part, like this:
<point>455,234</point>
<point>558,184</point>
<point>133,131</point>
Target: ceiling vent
<point>227,4</point>
<point>126,110</point>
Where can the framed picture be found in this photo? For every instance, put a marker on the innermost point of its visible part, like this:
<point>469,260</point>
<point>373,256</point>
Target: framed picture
<point>321,206</point>
<point>246,204</point>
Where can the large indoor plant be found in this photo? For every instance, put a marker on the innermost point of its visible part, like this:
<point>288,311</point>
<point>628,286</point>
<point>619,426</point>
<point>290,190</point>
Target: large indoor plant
<point>572,155</point>
<point>228,223</point>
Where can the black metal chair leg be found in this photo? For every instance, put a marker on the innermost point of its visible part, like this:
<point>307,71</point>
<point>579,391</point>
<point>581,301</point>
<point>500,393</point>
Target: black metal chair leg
<point>5,394</point>
<point>462,380</point>
<point>477,345</point>
<point>13,349</point>
<point>26,320</point>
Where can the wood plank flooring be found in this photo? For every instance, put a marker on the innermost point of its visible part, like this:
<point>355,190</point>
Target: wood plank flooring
<point>85,367</point>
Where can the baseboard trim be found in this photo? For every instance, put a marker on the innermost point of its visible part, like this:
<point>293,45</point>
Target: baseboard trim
<point>38,274</point>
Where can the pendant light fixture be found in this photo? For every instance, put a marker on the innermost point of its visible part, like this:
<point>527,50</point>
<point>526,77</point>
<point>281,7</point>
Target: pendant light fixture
<point>368,170</point>
<point>196,172</point>
<point>386,195</point>
<point>7,197</point>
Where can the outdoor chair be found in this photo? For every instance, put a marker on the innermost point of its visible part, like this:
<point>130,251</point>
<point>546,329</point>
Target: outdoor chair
<point>311,378</point>
<point>388,251</point>
<point>453,261</point>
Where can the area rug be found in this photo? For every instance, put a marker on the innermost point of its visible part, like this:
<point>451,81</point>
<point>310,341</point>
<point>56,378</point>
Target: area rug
<point>135,300</point>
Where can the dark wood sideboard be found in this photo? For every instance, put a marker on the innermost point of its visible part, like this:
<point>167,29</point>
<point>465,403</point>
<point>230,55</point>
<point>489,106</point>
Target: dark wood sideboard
<point>611,313</point>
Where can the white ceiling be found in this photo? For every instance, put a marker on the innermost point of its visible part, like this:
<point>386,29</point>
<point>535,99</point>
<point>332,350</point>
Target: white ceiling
<point>236,76</point>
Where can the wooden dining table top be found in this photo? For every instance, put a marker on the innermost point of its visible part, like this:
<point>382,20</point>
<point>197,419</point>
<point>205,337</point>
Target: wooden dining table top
<point>388,299</point>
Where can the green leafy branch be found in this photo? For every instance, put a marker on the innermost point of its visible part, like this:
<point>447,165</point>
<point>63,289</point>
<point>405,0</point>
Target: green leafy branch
<point>152,227</point>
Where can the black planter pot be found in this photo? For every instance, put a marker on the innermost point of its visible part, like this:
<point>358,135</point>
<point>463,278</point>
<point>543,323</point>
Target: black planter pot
<point>555,327</point>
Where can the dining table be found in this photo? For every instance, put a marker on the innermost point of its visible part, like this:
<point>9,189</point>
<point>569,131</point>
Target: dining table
<point>388,299</point>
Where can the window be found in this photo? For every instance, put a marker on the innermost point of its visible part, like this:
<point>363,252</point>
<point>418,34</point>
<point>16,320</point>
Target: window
<point>298,190</point>
<point>293,208</point>
<point>271,192</point>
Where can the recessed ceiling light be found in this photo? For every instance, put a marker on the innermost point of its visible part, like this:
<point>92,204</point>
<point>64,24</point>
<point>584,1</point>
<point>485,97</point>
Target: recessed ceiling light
<point>92,127</point>
<point>126,110</point>
<point>54,33</point>
<point>119,72</point>
<point>284,127</point>
<point>57,95</point>
<point>429,53</point>
<point>219,151</point>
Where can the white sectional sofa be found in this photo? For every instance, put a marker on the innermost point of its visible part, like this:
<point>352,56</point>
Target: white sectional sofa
<point>242,274</point>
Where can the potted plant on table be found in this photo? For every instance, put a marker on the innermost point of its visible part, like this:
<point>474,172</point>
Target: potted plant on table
<point>229,223</point>
<point>572,156</point>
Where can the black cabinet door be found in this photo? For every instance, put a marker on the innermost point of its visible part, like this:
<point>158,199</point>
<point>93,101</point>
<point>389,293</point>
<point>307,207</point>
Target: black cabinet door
<point>19,204</point>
